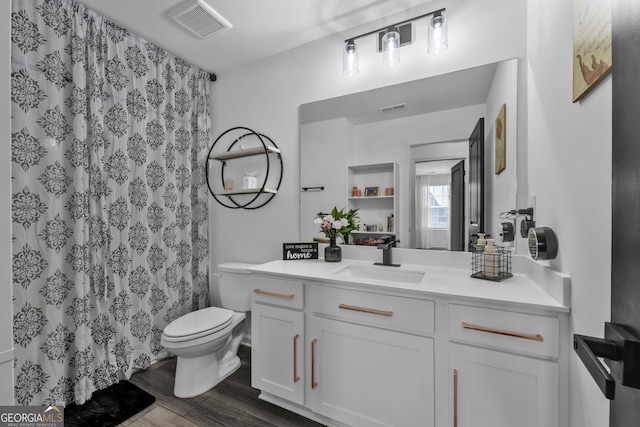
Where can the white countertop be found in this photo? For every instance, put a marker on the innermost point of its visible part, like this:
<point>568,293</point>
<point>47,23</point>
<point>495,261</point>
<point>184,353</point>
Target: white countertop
<point>519,290</point>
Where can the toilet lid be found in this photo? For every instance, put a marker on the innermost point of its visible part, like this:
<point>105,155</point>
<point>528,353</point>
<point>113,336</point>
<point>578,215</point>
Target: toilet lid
<point>199,323</point>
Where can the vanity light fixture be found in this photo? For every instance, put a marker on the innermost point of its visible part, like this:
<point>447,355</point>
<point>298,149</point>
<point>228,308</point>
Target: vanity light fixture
<point>391,42</point>
<point>350,65</point>
<point>391,48</point>
<point>437,34</point>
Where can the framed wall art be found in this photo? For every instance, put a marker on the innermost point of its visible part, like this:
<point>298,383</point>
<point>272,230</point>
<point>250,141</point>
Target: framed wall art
<point>371,191</point>
<point>501,139</point>
<point>591,44</point>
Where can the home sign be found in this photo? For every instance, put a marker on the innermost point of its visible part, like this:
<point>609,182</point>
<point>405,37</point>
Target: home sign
<point>295,251</point>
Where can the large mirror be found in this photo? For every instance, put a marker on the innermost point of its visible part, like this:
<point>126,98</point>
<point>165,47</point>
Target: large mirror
<point>400,154</point>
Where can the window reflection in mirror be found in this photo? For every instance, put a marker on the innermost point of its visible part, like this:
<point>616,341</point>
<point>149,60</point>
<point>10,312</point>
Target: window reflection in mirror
<point>433,218</point>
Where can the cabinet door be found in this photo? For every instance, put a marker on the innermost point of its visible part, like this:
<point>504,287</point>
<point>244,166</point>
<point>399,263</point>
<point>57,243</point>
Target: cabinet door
<point>495,389</point>
<point>365,376</point>
<point>277,353</point>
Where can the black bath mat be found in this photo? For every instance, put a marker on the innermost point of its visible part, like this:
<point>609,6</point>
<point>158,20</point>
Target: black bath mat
<point>108,407</point>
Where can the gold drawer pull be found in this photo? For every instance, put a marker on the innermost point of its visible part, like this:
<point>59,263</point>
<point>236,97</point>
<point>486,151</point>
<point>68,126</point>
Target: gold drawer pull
<point>366,310</point>
<point>455,398</point>
<point>314,384</point>
<point>536,337</point>
<point>296,378</point>
<point>273,294</point>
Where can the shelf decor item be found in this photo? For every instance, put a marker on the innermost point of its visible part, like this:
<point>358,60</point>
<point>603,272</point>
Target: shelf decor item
<point>371,191</point>
<point>337,224</point>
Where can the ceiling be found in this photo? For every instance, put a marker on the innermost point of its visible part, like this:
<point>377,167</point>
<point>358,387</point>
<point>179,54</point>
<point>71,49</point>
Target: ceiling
<point>438,93</point>
<point>436,167</point>
<point>261,28</point>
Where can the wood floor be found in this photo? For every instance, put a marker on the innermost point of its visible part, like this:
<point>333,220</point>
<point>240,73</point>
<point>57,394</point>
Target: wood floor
<point>232,403</point>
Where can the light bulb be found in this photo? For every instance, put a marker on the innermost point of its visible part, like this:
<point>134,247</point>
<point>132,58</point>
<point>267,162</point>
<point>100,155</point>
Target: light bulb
<point>350,55</point>
<point>391,48</point>
<point>437,34</point>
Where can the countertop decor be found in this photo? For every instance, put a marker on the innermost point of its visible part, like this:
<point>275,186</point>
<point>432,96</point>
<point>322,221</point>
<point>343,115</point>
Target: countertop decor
<point>337,224</point>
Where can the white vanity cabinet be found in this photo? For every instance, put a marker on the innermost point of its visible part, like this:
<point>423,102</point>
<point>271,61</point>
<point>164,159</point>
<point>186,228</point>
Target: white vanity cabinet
<point>349,354</point>
<point>503,368</point>
<point>364,368</point>
<point>277,325</point>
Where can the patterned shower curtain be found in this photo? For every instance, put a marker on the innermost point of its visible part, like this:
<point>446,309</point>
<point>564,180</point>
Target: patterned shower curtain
<point>109,201</point>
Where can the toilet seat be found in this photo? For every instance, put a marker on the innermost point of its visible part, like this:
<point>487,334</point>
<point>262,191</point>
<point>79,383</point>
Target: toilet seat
<point>197,324</point>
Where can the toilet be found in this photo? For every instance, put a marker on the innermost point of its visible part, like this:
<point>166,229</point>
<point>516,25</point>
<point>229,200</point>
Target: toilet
<point>206,341</point>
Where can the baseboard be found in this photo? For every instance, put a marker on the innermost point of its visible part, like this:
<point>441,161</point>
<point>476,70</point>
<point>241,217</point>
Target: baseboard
<point>300,410</point>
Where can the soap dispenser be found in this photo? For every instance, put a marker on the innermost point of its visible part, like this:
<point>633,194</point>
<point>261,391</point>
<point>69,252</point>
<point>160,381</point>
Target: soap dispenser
<point>491,264</point>
<point>481,242</point>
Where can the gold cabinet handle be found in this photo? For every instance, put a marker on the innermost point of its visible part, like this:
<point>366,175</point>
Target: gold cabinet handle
<point>314,384</point>
<point>273,294</point>
<point>536,337</point>
<point>366,310</point>
<point>455,398</point>
<point>296,378</point>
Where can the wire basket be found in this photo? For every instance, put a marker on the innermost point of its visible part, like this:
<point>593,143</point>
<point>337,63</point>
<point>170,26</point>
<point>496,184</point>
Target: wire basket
<point>491,266</point>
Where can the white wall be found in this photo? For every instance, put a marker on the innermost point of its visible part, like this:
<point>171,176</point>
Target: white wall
<point>501,188</point>
<point>6,288</point>
<point>265,96</point>
<point>327,139</point>
<point>569,156</point>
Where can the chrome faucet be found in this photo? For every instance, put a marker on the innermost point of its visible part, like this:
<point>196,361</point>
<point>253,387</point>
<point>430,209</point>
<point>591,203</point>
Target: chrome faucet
<point>386,245</point>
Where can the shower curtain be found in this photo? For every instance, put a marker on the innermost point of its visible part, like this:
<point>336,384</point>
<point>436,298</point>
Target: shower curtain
<point>109,201</point>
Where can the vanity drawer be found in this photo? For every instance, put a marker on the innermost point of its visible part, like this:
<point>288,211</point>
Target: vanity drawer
<point>282,292</point>
<point>520,332</point>
<point>389,311</point>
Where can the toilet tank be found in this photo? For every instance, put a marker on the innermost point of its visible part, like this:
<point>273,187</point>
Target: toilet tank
<point>234,286</point>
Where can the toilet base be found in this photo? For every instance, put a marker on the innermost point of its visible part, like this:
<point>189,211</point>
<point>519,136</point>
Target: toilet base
<point>229,367</point>
<point>196,375</point>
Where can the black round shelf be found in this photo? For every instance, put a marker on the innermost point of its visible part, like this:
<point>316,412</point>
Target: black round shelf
<point>234,136</point>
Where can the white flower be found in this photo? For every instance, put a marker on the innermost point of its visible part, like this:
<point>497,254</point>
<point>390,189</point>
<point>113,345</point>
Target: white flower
<point>342,223</point>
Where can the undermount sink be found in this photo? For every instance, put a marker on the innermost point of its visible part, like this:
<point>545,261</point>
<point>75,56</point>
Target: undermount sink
<point>384,273</point>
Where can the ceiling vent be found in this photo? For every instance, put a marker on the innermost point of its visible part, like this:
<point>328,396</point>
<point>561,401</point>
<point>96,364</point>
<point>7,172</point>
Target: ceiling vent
<point>392,108</point>
<point>199,18</point>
